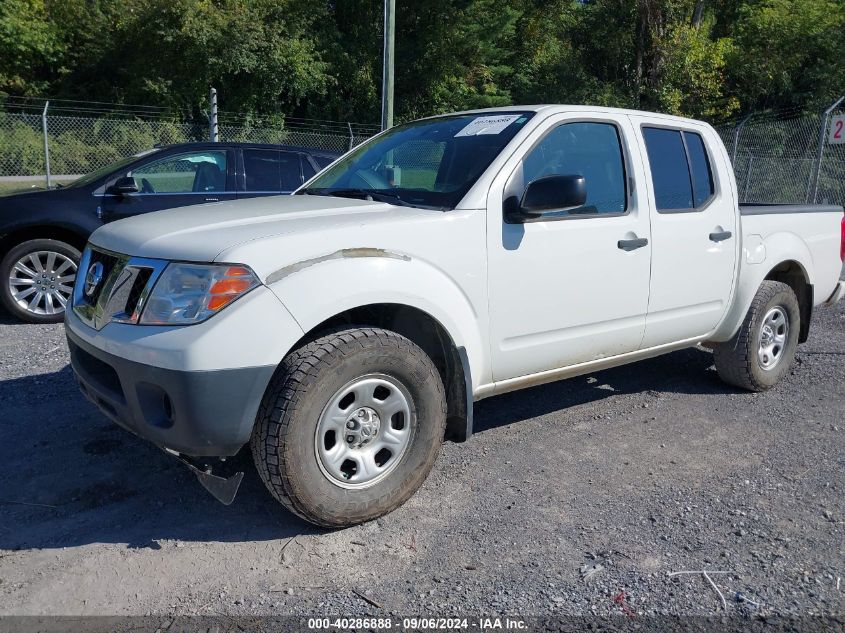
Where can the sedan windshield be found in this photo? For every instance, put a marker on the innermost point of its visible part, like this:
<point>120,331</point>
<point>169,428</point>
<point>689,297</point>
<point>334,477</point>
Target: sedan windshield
<point>430,163</point>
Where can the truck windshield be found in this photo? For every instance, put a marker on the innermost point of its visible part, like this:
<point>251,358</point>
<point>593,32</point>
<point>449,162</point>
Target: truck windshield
<point>430,163</point>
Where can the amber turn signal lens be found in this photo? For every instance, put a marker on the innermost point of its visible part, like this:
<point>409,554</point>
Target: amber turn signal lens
<point>229,286</point>
<point>238,271</point>
<point>236,281</point>
<point>218,301</point>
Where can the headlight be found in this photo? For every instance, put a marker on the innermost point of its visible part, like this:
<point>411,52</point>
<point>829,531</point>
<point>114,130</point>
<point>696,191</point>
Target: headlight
<point>190,293</point>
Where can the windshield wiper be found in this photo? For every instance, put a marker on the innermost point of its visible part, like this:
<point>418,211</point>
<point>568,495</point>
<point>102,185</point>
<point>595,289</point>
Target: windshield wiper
<point>363,194</point>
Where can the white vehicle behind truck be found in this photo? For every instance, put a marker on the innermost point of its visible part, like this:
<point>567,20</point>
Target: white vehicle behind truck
<point>345,331</point>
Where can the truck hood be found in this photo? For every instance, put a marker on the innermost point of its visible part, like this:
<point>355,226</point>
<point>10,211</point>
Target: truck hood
<point>202,233</point>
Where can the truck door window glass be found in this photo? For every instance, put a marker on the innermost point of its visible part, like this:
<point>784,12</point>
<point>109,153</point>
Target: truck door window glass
<point>271,170</point>
<point>702,177</point>
<point>183,173</point>
<point>591,150</point>
<point>670,172</point>
<point>430,163</point>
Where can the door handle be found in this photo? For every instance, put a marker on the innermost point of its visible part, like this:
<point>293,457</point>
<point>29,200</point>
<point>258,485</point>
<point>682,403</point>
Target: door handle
<point>721,236</point>
<point>632,245</point>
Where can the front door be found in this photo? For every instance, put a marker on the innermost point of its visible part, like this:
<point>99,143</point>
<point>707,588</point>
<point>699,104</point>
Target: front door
<point>176,180</point>
<point>572,287</point>
<point>694,232</point>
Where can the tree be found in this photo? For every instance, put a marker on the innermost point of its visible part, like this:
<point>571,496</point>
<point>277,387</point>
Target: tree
<point>29,44</point>
<point>705,58</point>
<point>788,52</point>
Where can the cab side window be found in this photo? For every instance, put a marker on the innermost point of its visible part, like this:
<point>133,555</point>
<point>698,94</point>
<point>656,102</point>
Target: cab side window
<point>588,149</point>
<point>203,171</point>
<point>680,169</point>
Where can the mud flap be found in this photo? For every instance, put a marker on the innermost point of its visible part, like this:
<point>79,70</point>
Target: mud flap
<point>223,489</point>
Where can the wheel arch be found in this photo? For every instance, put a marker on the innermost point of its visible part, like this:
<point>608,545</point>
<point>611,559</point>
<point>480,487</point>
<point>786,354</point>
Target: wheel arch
<point>794,275</point>
<point>787,259</point>
<point>41,232</point>
<point>432,337</point>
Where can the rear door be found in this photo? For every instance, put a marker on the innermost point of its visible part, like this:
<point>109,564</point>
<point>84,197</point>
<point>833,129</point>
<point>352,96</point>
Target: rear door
<point>693,229</point>
<point>268,171</point>
<point>175,180</point>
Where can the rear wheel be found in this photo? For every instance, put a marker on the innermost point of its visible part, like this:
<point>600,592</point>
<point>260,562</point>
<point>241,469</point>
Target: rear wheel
<point>37,280</point>
<point>350,426</point>
<point>763,350</point>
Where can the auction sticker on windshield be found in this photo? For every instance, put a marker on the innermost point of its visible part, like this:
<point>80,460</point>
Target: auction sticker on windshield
<point>488,125</point>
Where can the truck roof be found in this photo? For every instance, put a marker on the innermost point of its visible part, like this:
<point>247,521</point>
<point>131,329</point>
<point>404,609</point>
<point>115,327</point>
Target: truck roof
<point>557,108</point>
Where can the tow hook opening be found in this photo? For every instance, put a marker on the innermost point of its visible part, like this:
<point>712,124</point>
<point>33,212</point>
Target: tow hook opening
<point>219,480</point>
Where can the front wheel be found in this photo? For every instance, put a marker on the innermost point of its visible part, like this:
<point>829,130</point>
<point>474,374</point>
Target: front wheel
<point>350,426</point>
<point>763,350</point>
<point>37,280</point>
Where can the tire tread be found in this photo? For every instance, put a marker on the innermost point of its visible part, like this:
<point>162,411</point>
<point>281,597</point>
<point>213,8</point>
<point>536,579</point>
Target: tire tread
<point>735,359</point>
<point>299,373</point>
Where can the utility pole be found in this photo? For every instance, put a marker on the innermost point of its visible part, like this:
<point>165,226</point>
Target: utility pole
<point>46,143</point>
<point>387,70</point>
<point>213,129</point>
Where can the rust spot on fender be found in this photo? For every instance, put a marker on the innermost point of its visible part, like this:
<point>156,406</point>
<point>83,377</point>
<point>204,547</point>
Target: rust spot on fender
<point>346,253</point>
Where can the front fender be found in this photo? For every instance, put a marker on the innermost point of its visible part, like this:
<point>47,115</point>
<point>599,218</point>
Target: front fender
<point>317,289</point>
<point>778,248</point>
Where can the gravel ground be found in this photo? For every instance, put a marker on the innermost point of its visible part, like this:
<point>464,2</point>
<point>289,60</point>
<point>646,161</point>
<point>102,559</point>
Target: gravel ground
<point>575,498</point>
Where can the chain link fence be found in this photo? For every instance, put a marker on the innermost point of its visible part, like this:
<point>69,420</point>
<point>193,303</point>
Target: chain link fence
<point>778,157</point>
<point>79,144</point>
<point>786,157</point>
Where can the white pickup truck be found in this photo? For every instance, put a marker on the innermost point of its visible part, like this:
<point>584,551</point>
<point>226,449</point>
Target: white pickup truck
<point>345,331</point>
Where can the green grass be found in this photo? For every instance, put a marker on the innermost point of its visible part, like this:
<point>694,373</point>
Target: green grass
<point>162,182</point>
<point>418,178</point>
<point>7,186</point>
<point>172,182</point>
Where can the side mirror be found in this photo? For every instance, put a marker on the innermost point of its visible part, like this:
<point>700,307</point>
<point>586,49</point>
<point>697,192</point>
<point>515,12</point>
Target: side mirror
<point>125,185</point>
<point>550,194</point>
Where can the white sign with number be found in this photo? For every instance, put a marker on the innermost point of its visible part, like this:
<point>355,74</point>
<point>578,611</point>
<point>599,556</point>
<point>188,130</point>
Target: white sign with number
<point>837,130</point>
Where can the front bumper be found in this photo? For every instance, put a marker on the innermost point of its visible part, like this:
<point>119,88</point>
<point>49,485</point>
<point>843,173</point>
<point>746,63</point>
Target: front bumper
<point>195,413</point>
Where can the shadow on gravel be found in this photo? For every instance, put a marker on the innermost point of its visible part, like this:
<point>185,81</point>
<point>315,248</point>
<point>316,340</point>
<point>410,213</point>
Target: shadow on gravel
<point>7,319</point>
<point>71,477</point>
<point>682,372</point>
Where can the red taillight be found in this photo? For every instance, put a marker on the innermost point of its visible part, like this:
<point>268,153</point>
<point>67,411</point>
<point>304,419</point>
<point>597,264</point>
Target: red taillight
<point>842,242</point>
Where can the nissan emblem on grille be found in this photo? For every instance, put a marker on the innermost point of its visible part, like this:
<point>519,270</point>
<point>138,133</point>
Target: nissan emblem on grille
<point>93,278</point>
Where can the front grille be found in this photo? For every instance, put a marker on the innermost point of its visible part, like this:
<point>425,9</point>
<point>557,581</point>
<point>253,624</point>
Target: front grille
<point>123,285</point>
<point>109,262</point>
<point>141,281</point>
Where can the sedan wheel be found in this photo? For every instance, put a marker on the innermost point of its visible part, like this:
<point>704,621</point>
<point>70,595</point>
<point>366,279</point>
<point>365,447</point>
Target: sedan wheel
<point>38,278</point>
<point>42,282</point>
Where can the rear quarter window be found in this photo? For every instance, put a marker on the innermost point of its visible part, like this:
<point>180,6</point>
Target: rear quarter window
<point>702,176</point>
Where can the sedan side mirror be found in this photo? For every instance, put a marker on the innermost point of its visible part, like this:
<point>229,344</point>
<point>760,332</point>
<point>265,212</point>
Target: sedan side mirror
<point>550,194</point>
<point>125,185</point>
